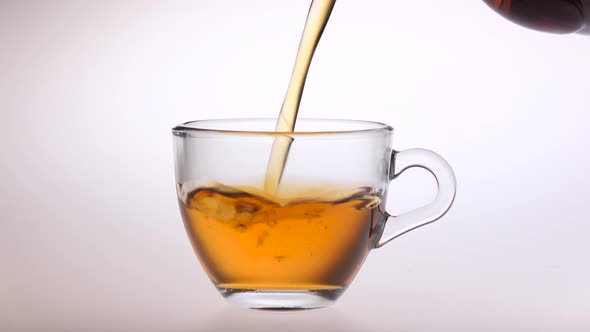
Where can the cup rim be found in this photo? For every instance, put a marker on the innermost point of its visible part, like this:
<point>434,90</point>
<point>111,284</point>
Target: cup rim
<point>200,127</point>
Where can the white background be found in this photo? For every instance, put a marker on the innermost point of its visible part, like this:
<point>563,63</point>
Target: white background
<point>90,234</point>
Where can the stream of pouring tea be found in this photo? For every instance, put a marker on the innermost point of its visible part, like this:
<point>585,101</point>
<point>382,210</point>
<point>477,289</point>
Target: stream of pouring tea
<point>318,16</point>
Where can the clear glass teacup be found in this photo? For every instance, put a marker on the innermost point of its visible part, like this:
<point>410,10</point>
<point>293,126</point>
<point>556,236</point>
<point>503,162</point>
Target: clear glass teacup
<point>301,246</point>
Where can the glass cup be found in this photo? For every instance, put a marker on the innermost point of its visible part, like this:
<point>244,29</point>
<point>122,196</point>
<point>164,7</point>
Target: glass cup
<point>301,246</point>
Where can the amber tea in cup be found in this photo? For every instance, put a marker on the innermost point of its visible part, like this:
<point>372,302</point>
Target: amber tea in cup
<point>309,242</point>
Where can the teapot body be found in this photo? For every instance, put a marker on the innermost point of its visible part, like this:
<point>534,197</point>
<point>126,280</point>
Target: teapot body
<point>556,16</point>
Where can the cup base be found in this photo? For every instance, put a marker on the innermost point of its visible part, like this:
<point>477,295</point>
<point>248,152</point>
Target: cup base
<point>281,299</point>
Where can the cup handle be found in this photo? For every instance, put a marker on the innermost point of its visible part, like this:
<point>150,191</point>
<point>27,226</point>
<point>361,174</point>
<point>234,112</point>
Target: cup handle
<point>394,226</point>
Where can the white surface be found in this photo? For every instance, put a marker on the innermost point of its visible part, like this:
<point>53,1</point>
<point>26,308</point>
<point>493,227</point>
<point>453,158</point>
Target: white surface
<point>90,234</point>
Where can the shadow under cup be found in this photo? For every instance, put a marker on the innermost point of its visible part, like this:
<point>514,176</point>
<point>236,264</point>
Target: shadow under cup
<point>301,245</point>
